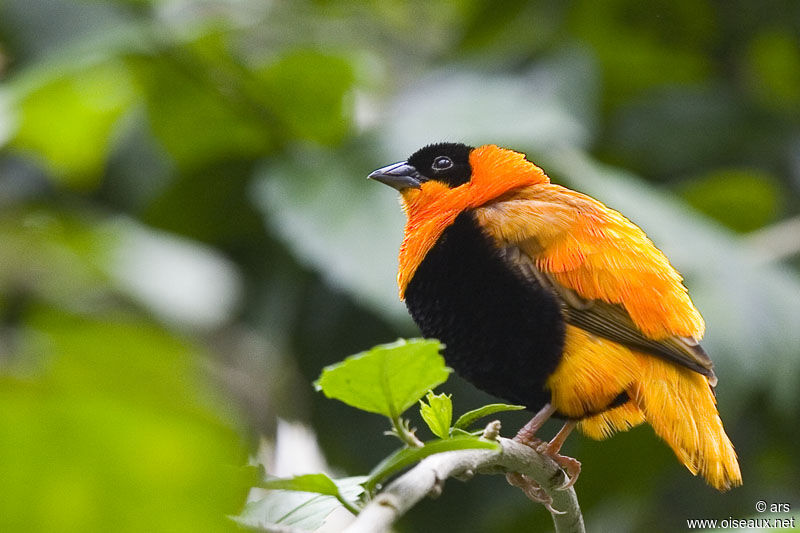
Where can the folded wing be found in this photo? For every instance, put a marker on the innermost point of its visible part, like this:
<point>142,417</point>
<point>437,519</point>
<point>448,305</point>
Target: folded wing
<point>611,279</point>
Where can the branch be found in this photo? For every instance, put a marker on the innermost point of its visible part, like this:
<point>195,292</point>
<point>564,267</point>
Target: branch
<point>429,475</point>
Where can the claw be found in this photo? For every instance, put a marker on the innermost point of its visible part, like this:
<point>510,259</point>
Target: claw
<point>529,487</point>
<point>532,490</point>
<point>571,467</point>
<point>553,510</point>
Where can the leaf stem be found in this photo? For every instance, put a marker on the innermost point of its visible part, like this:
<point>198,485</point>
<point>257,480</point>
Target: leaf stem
<point>404,433</point>
<point>348,505</point>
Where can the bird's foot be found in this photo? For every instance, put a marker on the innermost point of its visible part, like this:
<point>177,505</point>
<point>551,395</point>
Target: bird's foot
<point>532,490</point>
<point>530,441</point>
<point>570,465</point>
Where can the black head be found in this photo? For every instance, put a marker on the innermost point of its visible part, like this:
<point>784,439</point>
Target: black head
<point>445,162</point>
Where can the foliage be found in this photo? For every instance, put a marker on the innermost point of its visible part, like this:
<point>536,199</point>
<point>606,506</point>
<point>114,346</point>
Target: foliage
<point>301,506</point>
<point>387,380</point>
<point>470,417</point>
<point>437,413</point>
<point>110,409</point>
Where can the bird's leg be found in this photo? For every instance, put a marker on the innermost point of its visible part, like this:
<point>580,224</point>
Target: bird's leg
<point>571,466</point>
<point>527,435</point>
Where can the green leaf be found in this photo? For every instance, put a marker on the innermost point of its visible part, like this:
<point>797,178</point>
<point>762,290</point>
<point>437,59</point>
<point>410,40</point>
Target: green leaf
<point>301,510</point>
<point>67,120</point>
<point>468,418</point>
<point>437,413</point>
<point>319,483</point>
<point>408,456</point>
<point>388,379</point>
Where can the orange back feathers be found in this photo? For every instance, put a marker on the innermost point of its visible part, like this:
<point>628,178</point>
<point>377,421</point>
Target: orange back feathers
<point>598,253</point>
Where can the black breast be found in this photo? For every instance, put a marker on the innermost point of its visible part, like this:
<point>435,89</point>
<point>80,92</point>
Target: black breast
<point>502,333</point>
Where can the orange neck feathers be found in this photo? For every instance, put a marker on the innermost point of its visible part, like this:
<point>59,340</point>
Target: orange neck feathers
<point>433,207</point>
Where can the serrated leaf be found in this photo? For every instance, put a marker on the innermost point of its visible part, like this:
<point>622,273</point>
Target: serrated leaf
<point>437,413</point>
<point>388,379</point>
<point>408,456</point>
<point>468,418</point>
<point>300,510</point>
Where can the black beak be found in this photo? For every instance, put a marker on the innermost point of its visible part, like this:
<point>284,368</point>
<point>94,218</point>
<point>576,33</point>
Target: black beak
<point>399,175</point>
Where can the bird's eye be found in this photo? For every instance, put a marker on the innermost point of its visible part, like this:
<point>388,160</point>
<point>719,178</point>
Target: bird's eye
<point>442,163</point>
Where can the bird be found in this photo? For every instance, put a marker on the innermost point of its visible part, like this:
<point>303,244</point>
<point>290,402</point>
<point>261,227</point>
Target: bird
<point>545,297</point>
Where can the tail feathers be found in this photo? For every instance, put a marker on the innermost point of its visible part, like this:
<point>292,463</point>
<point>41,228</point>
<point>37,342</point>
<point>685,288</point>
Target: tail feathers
<point>605,424</point>
<point>680,406</point>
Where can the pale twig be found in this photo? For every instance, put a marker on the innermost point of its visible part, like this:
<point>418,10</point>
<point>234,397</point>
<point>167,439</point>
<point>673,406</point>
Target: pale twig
<point>429,475</point>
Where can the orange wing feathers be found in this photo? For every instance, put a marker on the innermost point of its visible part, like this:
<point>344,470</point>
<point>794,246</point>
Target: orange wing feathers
<point>598,253</point>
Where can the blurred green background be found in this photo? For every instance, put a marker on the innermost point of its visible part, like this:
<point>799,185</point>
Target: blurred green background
<point>187,237</point>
